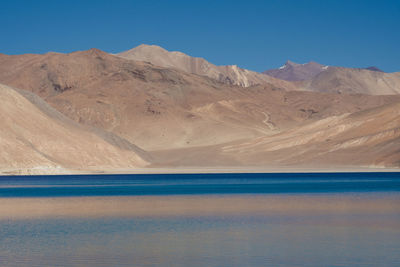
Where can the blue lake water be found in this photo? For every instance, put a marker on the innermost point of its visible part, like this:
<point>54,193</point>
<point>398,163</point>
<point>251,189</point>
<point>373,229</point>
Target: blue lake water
<point>345,219</point>
<point>188,184</point>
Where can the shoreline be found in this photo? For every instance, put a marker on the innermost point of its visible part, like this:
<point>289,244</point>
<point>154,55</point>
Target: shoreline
<point>191,170</point>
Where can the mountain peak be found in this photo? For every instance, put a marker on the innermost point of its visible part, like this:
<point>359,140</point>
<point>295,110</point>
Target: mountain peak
<point>292,71</point>
<point>146,48</point>
<point>373,68</point>
<point>149,46</point>
<point>93,52</point>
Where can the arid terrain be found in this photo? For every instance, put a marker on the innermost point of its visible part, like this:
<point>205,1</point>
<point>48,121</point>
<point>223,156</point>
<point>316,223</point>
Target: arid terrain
<point>35,138</point>
<point>147,107</point>
<point>226,74</point>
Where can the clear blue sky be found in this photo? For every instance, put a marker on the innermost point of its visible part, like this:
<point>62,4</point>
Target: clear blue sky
<point>257,35</point>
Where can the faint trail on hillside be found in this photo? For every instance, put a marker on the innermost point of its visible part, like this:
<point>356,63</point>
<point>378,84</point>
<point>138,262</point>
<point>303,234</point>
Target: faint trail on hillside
<point>267,122</point>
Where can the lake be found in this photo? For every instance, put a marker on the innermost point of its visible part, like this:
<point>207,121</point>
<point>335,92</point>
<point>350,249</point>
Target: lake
<point>303,219</point>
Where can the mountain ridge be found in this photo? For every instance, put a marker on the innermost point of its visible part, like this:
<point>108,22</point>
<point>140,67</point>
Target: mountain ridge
<point>229,74</point>
<point>170,117</point>
<point>354,81</point>
<point>292,71</point>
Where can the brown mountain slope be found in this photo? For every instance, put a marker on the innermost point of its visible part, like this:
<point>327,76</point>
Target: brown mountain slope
<point>350,81</point>
<point>150,106</point>
<point>159,108</point>
<point>369,138</point>
<point>365,138</point>
<point>37,139</point>
<point>226,74</point>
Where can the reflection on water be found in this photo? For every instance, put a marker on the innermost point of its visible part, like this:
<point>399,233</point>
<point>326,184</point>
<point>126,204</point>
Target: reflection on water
<point>280,230</point>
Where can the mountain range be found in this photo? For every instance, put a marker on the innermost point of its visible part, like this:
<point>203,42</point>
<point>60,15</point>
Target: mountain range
<point>291,71</point>
<point>232,75</point>
<point>354,81</point>
<point>147,107</point>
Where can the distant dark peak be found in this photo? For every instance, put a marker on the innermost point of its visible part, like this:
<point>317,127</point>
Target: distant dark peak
<point>311,63</point>
<point>373,68</point>
<point>292,71</point>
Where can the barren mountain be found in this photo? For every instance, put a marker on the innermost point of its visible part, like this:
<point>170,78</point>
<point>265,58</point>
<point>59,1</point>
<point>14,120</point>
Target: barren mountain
<point>162,108</point>
<point>369,138</point>
<point>37,139</point>
<point>350,81</point>
<point>227,74</point>
<point>291,71</point>
<point>179,117</point>
<point>373,135</point>
<point>146,104</point>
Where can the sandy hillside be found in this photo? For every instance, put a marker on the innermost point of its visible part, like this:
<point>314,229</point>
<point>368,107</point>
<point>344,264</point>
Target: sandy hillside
<point>354,81</point>
<point>37,139</point>
<point>366,138</point>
